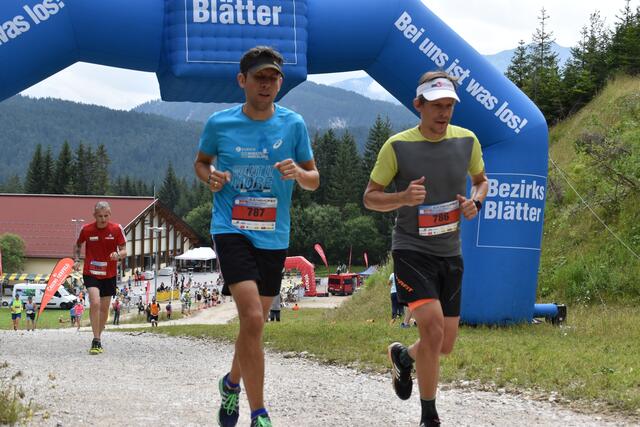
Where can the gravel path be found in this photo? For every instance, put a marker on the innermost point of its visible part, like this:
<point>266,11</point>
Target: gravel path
<point>145,379</point>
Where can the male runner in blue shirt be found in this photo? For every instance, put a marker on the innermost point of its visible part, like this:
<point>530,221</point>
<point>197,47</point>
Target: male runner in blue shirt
<point>250,156</point>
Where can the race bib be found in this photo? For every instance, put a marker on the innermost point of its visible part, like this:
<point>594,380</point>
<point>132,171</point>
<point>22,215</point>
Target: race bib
<point>98,268</point>
<point>438,219</point>
<point>254,213</point>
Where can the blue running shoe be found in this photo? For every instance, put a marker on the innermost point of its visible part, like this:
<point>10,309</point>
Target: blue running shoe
<point>261,421</point>
<point>230,406</point>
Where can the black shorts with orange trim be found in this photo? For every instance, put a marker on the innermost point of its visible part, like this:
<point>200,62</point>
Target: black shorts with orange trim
<point>240,261</point>
<point>422,276</point>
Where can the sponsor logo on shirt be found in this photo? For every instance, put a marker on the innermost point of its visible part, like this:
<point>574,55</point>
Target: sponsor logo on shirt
<point>94,238</point>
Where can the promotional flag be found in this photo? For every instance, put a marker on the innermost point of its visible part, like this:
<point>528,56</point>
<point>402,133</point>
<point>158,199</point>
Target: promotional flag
<point>350,248</point>
<point>320,251</point>
<point>366,260</point>
<point>148,289</point>
<point>59,274</point>
<point>0,262</point>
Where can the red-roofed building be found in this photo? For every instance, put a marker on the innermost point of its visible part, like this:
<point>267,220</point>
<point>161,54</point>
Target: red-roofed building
<point>49,225</point>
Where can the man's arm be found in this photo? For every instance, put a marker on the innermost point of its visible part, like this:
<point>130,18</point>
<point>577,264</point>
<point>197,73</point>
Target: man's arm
<point>376,199</point>
<point>203,167</point>
<point>120,253</point>
<point>305,173</point>
<point>479,189</point>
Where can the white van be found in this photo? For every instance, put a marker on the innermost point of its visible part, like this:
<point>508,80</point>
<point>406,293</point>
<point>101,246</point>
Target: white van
<point>165,271</point>
<point>61,299</point>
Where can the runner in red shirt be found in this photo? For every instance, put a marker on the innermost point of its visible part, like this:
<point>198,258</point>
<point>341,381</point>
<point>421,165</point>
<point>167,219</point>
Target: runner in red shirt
<point>105,246</point>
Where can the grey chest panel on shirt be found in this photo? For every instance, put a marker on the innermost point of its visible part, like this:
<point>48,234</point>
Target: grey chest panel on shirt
<point>444,165</point>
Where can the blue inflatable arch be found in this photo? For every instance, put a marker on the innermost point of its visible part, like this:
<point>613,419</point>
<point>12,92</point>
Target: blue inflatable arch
<point>194,47</point>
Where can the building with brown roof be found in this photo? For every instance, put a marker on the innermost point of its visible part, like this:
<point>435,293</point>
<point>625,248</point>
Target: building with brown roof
<point>49,226</point>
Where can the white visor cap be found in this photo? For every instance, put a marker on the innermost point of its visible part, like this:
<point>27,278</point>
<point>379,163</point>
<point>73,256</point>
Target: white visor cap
<point>437,89</point>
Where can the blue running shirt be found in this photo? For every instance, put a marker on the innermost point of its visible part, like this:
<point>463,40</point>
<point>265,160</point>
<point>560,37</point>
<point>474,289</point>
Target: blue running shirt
<point>249,149</point>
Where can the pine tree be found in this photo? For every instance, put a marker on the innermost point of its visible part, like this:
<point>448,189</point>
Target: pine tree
<point>100,171</point>
<point>34,183</point>
<point>63,171</point>
<point>519,69</point>
<point>586,71</point>
<point>346,173</point>
<point>624,54</point>
<point>81,178</point>
<point>169,193</point>
<point>326,152</point>
<point>378,134</point>
<point>47,172</point>
<point>545,83</point>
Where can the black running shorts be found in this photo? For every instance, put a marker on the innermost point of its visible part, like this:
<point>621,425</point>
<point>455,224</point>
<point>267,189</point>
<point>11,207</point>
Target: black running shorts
<point>240,261</point>
<point>422,276</point>
<point>107,287</point>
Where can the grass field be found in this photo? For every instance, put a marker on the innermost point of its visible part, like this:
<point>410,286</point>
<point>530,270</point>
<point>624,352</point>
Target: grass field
<point>50,319</point>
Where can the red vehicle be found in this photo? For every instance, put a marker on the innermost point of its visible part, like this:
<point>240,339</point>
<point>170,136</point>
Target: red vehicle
<point>343,284</point>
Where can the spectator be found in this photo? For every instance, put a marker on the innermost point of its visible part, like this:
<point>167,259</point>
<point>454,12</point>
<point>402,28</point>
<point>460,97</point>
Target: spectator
<point>30,310</point>
<point>169,310</point>
<point>116,311</point>
<point>154,311</point>
<point>274,312</point>
<point>78,309</point>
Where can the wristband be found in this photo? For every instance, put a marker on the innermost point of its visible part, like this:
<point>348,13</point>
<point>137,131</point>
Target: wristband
<point>478,204</point>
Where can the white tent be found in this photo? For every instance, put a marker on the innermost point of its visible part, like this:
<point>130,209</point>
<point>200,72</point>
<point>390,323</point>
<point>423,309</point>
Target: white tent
<point>198,254</point>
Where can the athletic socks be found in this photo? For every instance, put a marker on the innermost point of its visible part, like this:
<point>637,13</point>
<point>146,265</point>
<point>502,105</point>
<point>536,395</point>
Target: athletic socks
<point>429,412</point>
<point>259,412</point>
<point>229,384</point>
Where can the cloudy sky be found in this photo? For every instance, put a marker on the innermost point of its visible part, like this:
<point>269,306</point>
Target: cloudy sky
<point>490,26</point>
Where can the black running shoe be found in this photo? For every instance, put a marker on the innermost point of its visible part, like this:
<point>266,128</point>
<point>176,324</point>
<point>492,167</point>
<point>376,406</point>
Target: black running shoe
<point>96,348</point>
<point>400,373</point>
<point>435,422</point>
<point>230,406</point>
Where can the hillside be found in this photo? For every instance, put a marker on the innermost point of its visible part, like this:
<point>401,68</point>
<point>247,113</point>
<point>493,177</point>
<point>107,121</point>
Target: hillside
<point>323,107</point>
<point>139,145</point>
<point>598,152</point>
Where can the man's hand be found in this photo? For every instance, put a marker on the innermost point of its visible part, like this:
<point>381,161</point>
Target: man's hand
<point>467,207</point>
<point>288,169</point>
<point>114,256</point>
<point>218,179</point>
<point>415,193</point>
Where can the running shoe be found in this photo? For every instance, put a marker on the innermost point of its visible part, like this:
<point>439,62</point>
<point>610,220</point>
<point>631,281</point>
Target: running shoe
<point>435,422</point>
<point>96,348</point>
<point>400,373</point>
<point>261,421</point>
<point>230,406</point>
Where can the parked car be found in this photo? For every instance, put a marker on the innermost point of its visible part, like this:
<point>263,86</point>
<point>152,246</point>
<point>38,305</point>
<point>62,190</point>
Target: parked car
<point>166,271</point>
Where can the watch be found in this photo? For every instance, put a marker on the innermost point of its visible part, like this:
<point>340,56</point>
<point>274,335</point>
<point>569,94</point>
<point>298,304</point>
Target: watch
<point>478,204</point>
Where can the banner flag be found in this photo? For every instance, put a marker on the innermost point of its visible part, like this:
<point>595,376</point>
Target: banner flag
<point>148,289</point>
<point>320,251</point>
<point>366,260</point>
<point>59,274</point>
<point>0,262</point>
<point>349,268</point>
